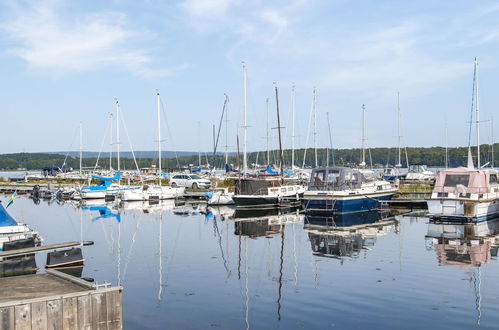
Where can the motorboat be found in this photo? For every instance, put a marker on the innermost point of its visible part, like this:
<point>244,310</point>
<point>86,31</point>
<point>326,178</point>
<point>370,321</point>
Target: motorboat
<point>266,193</point>
<point>343,189</point>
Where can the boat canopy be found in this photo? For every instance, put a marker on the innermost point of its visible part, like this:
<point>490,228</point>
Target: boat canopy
<point>5,218</point>
<point>473,181</point>
<point>253,186</point>
<point>335,178</point>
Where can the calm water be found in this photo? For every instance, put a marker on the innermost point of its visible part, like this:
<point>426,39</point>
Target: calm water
<point>181,268</point>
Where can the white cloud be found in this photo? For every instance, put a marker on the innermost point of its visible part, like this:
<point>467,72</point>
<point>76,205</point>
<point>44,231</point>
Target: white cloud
<point>49,40</point>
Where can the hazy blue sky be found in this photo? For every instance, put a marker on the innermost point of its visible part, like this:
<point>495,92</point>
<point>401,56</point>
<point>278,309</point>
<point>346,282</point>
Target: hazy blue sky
<point>63,62</point>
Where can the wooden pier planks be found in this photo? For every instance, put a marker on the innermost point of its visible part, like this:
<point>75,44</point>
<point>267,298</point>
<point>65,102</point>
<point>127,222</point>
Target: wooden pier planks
<point>64,305</point>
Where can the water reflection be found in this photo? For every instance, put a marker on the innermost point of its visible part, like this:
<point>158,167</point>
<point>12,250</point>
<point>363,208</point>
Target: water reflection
<point>346,235</point>
<point>466,245</point>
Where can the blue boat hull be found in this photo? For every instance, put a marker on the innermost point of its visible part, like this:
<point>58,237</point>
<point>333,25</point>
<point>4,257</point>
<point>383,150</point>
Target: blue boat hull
<point>322,206</point>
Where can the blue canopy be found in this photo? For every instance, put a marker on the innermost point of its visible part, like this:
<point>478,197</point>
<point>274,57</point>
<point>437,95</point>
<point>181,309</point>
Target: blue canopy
<point>5,218</point>
<point>116,177</point>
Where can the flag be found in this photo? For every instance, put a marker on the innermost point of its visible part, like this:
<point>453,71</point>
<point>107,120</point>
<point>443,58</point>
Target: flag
<point>12,199</point>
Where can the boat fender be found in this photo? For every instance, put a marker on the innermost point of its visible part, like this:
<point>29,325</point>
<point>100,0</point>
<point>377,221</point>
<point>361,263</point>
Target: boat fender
<point>208,194</point>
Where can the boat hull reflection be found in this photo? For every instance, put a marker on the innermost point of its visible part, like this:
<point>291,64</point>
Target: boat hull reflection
<point>346,235</point>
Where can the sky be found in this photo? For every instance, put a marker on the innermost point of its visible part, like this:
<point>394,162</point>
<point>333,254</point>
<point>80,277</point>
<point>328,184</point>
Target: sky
<point>66,62</point>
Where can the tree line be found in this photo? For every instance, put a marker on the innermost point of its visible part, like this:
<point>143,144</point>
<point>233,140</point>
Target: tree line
<point>378,157</point>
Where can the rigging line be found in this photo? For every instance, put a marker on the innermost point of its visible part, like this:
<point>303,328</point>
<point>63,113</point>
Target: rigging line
<point>67,154</point>
<point>130,143</point>
<point>472,107</point>
<point>102,146</point>
<point>163,109</point>
<point>308,133</point>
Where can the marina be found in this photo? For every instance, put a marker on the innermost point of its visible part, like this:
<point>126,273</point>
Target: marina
<point>222,164</point>
<point>263,267</point>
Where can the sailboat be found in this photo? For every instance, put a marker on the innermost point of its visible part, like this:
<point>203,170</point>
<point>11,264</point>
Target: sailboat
<point>466,194</point>
<point>265,192</point>
<point>153,191</point>
<point>106,187</point>
<point>394,173</point>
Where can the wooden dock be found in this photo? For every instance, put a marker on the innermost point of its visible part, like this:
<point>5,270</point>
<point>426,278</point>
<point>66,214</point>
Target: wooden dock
<point>58,301</point>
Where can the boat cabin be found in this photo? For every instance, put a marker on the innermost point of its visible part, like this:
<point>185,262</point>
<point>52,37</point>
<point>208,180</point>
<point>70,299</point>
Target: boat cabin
<point>465,181</point>
<point>335,178</point>
<point>254,186</point>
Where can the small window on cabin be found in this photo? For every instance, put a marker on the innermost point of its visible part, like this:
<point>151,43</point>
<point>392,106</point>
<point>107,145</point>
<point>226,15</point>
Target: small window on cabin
<point>290,189</point>
<point>452,180</point>
<point>493,178</point>
<point>332,176</point>
<point>283,189</point>
<point>319,178</point>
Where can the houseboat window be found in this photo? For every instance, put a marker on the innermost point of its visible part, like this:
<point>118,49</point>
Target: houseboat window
<point>493,178</point>
<point>452,180</point>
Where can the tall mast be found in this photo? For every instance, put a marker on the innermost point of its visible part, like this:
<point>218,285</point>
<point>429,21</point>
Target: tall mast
<point>492,137</point>
<point>363,163</point>
<point>399,164</point>
<point>199,144</point>
<point>446,147</point>
<point>281,158</point>
<point>477,107</point>
<point>226,129</point>
<point>159,136</point>
<point>315,127</point>
<point>111,141</point>
<point>293,96</point>
<point>81,146</point>
<point>118,132</point>
<point>268,151</point>
<point>330,139</point>
<point>245,159</point>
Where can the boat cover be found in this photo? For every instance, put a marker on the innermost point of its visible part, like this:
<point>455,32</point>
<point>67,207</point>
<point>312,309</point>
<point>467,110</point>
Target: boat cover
<point>475,181</point>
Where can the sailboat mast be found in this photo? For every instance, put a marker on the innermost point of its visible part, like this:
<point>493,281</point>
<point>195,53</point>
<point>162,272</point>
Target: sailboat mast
<point>118,133</point>
<point>492,137</point>
<point>226,129</point>
<point>81,145</point>
<point>199,144</point>
<point>363,163</point>
<point>399,164</point>
<point>315,128</point>
<point>268,151</point>
<point>330,139</point>
<point>477,108</point>
<point>446,147</point>
<point>281,160</point>
<point>159,136</point>
<point>111,141</point>
<point>293,97</point>
<point>245,159</point>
